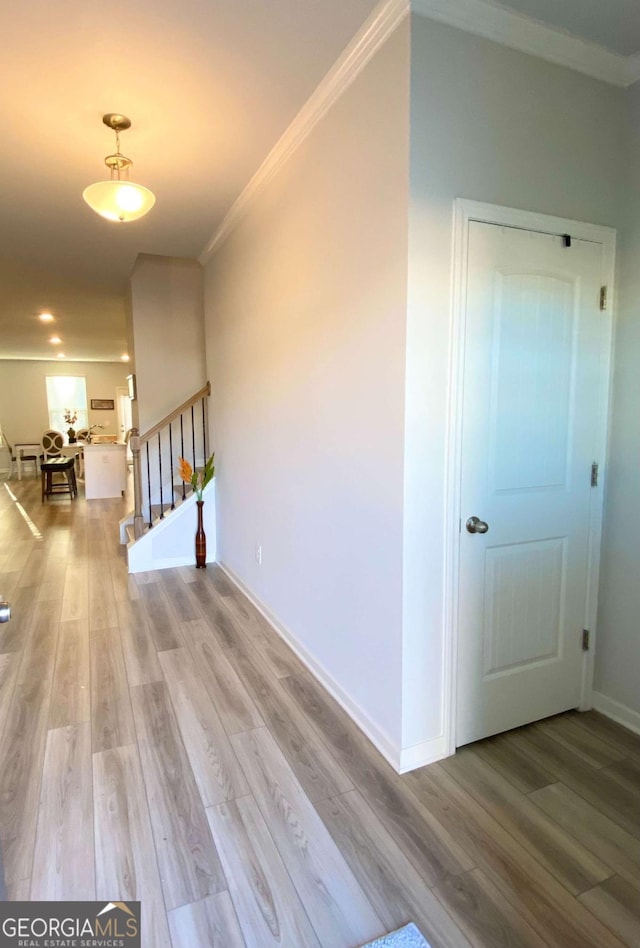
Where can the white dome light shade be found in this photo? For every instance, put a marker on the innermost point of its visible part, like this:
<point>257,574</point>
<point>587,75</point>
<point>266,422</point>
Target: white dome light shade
<point>119,200</point>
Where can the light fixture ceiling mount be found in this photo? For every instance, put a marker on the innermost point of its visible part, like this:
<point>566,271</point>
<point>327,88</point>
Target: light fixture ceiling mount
<point>116,121</point>
<point>119,123</point>
<point>118,199</point>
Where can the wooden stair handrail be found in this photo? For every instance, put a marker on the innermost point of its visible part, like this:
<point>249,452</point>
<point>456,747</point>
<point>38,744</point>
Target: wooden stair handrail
<point>175,414</point>
<point>137,440</point>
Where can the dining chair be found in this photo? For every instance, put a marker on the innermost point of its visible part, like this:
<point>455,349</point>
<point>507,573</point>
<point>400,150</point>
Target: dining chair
<point>52,443</point>
<point>13,457</point>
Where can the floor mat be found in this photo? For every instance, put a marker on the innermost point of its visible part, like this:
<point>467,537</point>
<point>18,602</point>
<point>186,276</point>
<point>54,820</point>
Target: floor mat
<point>407,937</point>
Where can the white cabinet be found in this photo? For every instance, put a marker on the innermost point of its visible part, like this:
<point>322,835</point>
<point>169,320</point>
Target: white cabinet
<point>105,470</point>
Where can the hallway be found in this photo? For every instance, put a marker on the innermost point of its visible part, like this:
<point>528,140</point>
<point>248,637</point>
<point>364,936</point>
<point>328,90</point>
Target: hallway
<point>158,741</point>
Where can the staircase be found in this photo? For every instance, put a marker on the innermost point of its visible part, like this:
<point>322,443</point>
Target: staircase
<point>159,531</point>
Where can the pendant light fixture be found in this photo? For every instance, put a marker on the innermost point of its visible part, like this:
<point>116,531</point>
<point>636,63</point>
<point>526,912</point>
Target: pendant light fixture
<point>118,199</point>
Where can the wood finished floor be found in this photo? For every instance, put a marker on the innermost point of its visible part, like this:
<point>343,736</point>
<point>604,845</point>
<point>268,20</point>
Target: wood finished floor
<point>159,742</point>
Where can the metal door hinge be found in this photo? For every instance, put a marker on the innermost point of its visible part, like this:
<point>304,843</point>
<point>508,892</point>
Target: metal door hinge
<point>585,640</point>
<point>594,474</point>
<point>603,297</point>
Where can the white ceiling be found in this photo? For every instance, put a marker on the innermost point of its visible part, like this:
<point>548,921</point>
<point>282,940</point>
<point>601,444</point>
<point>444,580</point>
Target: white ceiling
<point>210,85</point>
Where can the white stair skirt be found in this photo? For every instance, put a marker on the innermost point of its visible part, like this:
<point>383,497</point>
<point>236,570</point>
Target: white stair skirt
<point>171,541</point>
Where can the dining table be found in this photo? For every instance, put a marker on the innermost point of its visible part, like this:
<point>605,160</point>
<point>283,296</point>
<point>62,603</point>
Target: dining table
<point>27,449</point>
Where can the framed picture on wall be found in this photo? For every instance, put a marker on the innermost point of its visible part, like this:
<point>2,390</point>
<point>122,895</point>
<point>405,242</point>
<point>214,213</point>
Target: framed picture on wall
<point>102,404</point>
<point>131,382</point>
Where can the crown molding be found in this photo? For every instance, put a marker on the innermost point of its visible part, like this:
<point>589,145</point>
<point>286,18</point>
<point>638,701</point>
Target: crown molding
<point>479,17</point>
<point>633,71</point>
<point>371,36</point>
<point>529,36</point>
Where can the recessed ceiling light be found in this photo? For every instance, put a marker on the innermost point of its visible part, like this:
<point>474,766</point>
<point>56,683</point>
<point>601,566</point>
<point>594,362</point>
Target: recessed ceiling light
<point>124,357</point>
<point>61,355</point>
<point>55,340</point>
<point>45,317</point>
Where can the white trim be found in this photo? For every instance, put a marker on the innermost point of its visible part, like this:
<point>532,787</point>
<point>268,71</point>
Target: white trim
<point>142,556</point>
<point>376,735</point>
<point>473,16</point>
<point>428,752</point>
<point>466,211</point>
<point>619,713</point>
<point>138,564</point>
<point>367,41</point>
<point>530,36</point>
<point>453,466</point>
<point>596,513</point>
<point>633,68</point>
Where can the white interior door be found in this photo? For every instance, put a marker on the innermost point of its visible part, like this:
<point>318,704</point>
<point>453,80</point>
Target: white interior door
<point>533,349</point>
<point>123,403</point>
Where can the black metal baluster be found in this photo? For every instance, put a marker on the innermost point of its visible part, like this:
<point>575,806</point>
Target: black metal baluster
<point>193,438</point>
<point>204,431</point>
<point>160,470</point>
<point>184,486</point>
<point>149,485</point>
<point>173,492</point>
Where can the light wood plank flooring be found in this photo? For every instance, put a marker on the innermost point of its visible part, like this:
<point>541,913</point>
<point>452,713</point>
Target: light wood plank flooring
<point>159,742</point>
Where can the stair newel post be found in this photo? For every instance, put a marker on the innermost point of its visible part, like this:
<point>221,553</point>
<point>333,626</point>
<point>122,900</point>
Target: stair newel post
<point>138,520</point>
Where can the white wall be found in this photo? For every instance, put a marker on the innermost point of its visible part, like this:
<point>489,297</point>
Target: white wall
<point>495,125</point>
<point>618,647</point>
<point>305,320</point>
<point>23,396</point>
<point>331,371</point>
<point>165,329</point>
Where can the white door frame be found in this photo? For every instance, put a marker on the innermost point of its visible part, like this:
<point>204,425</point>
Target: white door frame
<point>122,392</point>
<point>466,211</point>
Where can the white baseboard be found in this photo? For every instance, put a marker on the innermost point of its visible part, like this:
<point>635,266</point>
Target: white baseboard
<point>389,750</point>
<point>166,563</point>
<point>619,713</point>
<point>427,752</point>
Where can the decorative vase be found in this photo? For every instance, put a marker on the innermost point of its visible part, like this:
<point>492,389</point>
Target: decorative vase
<point>71,435</point>
<point>201,540</point>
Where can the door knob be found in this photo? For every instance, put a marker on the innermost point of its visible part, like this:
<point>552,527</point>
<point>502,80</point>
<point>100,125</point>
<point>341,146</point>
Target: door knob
<point>5,611</point>
<point>476,525</point>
